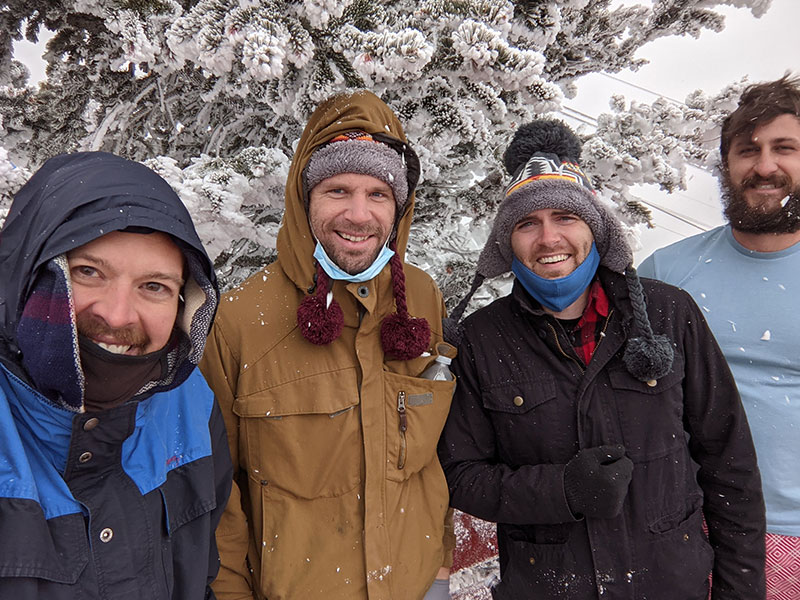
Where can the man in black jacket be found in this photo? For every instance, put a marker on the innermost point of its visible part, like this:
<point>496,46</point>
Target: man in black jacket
<point>114,463</point>
<point>597,431</point>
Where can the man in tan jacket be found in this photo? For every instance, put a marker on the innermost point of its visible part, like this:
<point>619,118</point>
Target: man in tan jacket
<point>316,362</point>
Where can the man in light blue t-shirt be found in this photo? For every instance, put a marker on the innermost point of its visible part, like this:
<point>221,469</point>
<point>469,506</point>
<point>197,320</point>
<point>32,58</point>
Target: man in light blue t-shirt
<point>746,278</point>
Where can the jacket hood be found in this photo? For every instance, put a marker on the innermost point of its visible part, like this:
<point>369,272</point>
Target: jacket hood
<point>361,110</point>
<point>76,198</point>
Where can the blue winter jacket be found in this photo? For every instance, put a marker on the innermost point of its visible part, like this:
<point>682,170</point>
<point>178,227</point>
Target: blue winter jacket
<point>121,503</point>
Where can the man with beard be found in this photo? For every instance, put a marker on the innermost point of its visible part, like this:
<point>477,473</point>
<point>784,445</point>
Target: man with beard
<point>746,277</point>
<point>114,464</point>
<point>317,361</point>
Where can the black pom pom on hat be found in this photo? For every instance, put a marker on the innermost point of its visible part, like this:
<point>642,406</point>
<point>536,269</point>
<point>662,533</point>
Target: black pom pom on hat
<point>541,137</point>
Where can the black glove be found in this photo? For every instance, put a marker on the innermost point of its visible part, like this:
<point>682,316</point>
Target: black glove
<point>596,481</point>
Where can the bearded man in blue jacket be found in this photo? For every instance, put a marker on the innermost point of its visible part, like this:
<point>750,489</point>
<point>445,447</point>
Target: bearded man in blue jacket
<point>114,465</point>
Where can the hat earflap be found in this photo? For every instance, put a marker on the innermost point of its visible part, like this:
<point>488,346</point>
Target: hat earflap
<point>647,356</point>
<point>403,337</point>
<point>319,315</point>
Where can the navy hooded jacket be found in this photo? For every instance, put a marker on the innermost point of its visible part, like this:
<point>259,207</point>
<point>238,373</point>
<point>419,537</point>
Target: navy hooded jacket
<point>121,503</point>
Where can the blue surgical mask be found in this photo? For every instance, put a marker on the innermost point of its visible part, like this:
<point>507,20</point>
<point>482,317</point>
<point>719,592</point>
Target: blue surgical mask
<point>334,272</point>
<point>558,294</point>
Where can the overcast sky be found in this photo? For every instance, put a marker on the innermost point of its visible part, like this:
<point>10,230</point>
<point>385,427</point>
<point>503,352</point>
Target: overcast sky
<point>760,48</point>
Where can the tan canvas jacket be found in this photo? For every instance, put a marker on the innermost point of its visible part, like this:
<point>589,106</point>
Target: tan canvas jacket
<point>331,500</point>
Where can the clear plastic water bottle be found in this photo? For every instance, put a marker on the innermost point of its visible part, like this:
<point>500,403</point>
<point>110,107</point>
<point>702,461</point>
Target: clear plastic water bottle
<point>439,370</point>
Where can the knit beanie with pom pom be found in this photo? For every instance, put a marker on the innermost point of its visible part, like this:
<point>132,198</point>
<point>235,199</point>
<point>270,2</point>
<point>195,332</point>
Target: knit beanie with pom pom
<point>543,161</point>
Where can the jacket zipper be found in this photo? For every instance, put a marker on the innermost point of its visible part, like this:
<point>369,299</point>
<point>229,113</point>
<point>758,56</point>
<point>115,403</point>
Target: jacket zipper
<point>560,349</point>
<point>599,341</point>
<point>401,410</point>
<point>605,326</point>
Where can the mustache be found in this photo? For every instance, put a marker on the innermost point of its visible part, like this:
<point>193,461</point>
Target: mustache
<point>358,229</point>
<point>93,327</point>
<point>780,181</point>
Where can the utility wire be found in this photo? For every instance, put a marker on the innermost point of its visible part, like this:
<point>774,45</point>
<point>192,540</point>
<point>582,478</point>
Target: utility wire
<point>660,227</point>
<point>579,116</point>
<point>714,205</point>
<point>644,89</point>
<point>676,215</point>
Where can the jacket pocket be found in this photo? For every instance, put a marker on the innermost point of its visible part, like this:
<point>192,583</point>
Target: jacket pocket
<point>188,497</point>
<point>304,437</point>
<point>188,493</point>
<point>650,414</point>
<point>309,550</point>
<point>541,571</point>
<point>678,544</point>
<point>527,417</point>
<point>53,551</point>
<point>416,410</point>
<point>519,397</point>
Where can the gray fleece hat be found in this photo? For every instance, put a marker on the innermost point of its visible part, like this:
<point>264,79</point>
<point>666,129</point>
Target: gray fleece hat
<point>543,157</point>
<point>359,152</point>
<point>547,181</point>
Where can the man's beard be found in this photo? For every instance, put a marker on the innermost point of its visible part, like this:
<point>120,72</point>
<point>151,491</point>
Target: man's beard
<point>783,218</point>
<point>352,265</point>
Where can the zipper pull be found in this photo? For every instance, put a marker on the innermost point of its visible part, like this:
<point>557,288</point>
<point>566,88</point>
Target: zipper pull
<point>401,409</point>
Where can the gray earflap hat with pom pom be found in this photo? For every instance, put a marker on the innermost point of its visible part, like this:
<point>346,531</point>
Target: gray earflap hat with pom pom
<point>543,158</point>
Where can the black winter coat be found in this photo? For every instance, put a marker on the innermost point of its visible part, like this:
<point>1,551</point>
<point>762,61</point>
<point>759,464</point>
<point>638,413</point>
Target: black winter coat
<point>525,404</point>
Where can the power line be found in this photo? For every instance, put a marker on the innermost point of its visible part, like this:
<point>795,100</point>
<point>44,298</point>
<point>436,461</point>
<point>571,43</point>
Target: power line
<point>591,121</point>
<point>585,119</point>
<point>675,215</point>
<point>697,199</point>
<point>579,116</point>
<point>665,228</point>
<point>642,88</point>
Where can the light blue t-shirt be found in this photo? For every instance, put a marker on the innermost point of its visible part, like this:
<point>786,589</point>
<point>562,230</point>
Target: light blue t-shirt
<point>752,303</point>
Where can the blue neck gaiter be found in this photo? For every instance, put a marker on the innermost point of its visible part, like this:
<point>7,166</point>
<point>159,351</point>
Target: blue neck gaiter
<point>558,294</point>
<point>334,272</point>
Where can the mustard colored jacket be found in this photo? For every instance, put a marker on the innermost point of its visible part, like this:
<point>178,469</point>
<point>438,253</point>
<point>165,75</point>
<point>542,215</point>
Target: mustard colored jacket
<point>330,498</point>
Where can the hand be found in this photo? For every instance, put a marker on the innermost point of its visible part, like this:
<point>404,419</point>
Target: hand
<point>596,481</point>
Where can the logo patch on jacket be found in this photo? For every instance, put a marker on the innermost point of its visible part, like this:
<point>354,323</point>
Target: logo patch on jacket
<point>419,399</point>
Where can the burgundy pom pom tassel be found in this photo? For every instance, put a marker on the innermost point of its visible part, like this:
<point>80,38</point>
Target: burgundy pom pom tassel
<point>320,323</point>
<point>403,337</point>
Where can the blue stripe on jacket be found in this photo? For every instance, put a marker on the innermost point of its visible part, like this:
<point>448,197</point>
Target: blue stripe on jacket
<point>171,430</point>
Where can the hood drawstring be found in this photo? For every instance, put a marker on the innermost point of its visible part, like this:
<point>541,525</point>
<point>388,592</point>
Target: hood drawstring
<point>403,337</point>
<point>320,319</point>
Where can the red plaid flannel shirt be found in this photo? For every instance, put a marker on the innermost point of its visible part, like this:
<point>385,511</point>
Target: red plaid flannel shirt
<point>587,331</point>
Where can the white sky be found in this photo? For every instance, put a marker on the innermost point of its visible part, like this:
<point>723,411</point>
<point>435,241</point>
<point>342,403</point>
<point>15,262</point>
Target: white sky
<point>760,49</point>
<point>31,55</point>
